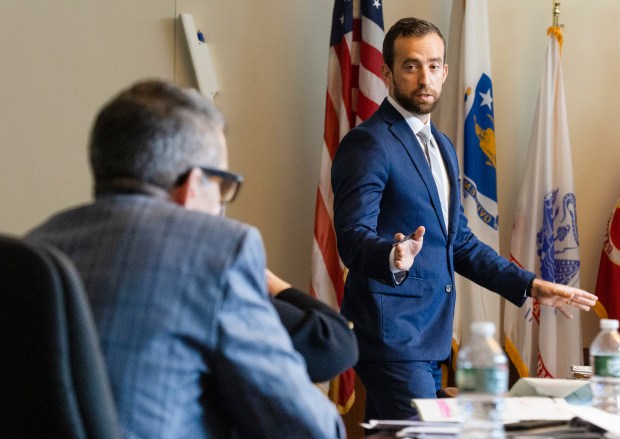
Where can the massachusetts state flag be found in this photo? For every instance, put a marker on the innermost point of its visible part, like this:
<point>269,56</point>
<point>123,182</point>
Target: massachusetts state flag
<point>608,282</point>
<point>540,341</point>
<point>354,91</point>
<point>476,149</point>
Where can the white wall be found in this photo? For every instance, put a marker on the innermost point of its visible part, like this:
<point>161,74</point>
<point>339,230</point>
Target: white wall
<point>61,60</point>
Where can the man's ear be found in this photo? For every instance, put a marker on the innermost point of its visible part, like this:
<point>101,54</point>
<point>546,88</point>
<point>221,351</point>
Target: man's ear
<point>187,193</point>
<point>386,75</point>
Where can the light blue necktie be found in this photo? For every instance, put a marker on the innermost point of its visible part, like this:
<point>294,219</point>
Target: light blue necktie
<point>432,155</point>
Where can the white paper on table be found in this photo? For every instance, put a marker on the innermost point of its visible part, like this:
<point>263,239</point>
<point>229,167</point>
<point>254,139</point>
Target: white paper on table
<point>527,408</point>
<point>437,410</point>
<point>553,387</point>
<point>405,428</point>
<point>390,424</point>
<point>445,430</point>
<point>535,408</point>
<point>598,417</point>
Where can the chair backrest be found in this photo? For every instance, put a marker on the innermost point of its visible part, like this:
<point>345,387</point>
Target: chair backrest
<point>53,381</point>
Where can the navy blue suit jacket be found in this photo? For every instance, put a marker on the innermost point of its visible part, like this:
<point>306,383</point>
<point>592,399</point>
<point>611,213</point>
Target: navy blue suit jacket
<point>382,185</point>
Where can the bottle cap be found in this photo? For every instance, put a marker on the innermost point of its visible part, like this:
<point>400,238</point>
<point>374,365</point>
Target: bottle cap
<point>486,329</point>
<point>609,324</point>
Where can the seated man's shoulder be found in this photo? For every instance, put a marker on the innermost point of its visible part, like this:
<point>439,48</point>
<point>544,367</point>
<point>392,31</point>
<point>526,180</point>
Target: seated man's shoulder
<point>226,234</point>
<point>219,225</point>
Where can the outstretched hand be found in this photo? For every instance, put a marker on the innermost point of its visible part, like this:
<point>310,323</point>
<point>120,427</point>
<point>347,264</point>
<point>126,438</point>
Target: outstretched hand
<point>405,250</point>
<point>559,296</point>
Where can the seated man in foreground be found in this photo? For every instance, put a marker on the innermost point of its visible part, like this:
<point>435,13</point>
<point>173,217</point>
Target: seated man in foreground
<point>193,347</point>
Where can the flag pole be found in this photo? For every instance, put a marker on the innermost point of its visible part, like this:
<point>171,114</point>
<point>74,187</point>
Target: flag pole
<point>556,28</point>
<point>556,13</point>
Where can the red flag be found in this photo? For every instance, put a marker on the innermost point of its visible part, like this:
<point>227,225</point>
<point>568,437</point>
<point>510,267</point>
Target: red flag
<point>608,281</point>
<point>354,91</point>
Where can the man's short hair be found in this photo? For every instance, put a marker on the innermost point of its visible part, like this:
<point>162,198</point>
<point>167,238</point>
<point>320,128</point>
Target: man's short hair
<point>408,27</point>
<point>152,132</point>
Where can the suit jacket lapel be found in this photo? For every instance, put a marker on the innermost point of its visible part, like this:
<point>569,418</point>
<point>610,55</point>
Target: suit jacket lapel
<point>402,131</point>
<point>453,175</point>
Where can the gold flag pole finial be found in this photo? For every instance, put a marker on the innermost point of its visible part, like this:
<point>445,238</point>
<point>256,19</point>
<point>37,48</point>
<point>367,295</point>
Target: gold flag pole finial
<point>556,28</point>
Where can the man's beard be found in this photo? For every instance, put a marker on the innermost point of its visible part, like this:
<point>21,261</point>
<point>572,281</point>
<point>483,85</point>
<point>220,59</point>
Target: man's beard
<point>409,103</point>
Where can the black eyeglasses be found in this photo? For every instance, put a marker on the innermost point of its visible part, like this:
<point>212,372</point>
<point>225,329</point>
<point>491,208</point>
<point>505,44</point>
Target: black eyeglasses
<point>229,182</point>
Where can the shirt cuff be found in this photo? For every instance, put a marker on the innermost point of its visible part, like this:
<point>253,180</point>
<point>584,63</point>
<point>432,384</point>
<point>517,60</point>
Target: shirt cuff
<point>398,274</point>
<point>528,287</point>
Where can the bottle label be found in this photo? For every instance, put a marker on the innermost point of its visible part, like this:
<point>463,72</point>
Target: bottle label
<point>607,365</point>
<point>490,380</point>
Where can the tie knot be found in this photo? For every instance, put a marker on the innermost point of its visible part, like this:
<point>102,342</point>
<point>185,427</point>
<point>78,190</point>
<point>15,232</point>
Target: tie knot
<point>425,133</point>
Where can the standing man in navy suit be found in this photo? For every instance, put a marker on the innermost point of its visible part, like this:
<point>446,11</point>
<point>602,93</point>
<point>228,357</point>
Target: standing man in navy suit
<point>400,292</point>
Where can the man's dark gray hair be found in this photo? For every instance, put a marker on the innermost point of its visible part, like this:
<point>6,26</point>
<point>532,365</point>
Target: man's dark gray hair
<point>151,133</point>
<point>408,27</point>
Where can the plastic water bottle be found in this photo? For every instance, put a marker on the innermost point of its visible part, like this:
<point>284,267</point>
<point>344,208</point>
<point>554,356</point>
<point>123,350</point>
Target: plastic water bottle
<point>605,362</point>
<point>482,380</point>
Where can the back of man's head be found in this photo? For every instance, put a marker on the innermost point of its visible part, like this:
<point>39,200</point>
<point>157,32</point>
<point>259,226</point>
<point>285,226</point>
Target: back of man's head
<point>151,133</point>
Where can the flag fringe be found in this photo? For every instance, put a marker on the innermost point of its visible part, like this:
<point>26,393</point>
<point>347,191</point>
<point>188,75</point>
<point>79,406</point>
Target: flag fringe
<point>515,357</point>
<point>600,310</point>
<point>556,32</point>
<point>335,396</point>
<point>455,353</point>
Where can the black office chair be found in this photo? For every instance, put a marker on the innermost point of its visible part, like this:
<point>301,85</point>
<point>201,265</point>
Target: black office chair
<point>53,381</point>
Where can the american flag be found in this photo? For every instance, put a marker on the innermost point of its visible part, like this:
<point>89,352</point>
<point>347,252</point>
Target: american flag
<point>354,91</point>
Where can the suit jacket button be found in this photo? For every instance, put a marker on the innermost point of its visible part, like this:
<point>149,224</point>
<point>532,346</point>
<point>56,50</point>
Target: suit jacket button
<point>448,288</point>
